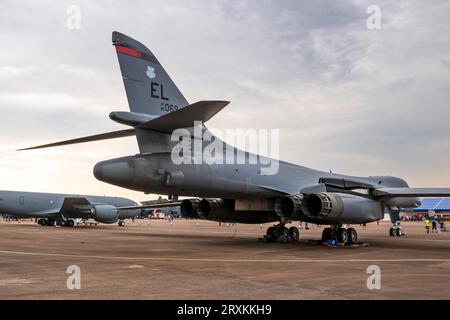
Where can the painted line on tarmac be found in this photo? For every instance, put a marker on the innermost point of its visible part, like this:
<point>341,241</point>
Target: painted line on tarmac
<point>303,236</point>
<point>408,239</point>
<point>62,255</point>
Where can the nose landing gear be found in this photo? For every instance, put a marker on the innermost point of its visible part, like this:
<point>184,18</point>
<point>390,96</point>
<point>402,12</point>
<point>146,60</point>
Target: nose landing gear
<point>396,230</point>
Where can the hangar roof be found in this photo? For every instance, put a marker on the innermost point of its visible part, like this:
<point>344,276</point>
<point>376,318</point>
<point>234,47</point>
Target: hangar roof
<point>437,204</point>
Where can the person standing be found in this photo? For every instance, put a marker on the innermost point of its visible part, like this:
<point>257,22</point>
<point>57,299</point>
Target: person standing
<point>434,226</point>
<point>427,224</point>
<point>441,225</point>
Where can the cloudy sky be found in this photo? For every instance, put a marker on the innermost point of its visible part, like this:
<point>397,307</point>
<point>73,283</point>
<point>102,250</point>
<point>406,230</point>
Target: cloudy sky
<point>346,98</point>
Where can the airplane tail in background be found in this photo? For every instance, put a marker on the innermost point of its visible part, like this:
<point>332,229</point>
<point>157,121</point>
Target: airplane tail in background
<point>149,88</point>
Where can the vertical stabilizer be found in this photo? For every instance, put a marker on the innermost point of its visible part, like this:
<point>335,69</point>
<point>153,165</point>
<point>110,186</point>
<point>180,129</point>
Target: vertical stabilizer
<point>149,88</point>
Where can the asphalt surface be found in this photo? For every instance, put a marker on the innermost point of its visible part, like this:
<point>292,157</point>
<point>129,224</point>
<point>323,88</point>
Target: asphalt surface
<point>157,260</point>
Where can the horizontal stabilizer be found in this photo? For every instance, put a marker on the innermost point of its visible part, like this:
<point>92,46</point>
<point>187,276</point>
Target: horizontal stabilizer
<point>185,117</point>
<point>97,137</point>
<point>411,192</point>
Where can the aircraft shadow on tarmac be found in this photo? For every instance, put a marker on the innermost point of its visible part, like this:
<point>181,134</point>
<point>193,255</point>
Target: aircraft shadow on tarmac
<point>236,240</point>
<point>229,238</point>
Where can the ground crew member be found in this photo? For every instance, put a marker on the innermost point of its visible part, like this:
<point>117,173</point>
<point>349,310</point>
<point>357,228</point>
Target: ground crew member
<point>427,224</point>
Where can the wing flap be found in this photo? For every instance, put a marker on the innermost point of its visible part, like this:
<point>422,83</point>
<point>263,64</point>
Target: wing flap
<point>411,192</point>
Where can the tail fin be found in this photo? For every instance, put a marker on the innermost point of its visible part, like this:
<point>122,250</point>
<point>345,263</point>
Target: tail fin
<point>149,88</point>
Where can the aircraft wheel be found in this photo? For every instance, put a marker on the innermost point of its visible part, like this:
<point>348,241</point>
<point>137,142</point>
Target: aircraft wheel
<point>326,234</point>
<point>392,232</point>
<point>270,234</point>
<point>50,222</point>
<point>398,232</point>
<point>70,223</point>
<point>294,234</point>
<point>41,222</point>
<point>352,235</point>
<point>283,235</point>
<point>122,223</point>
<point>342,235</point>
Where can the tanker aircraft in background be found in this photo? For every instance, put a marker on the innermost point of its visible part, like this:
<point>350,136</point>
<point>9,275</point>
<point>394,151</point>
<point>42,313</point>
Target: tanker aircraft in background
<point>62,209</point>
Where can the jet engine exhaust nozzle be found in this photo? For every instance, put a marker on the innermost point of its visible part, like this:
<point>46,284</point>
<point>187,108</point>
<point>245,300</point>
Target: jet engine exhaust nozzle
<point>288,206</point>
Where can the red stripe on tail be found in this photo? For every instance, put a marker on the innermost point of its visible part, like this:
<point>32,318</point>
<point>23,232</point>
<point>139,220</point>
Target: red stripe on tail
<point>128,51</point>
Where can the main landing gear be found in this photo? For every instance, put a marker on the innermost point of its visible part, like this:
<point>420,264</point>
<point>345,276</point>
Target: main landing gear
<point>340,234</point>
<point>46,222</point>
<point>67,223</point>
<point>396,230</point>
<point>280,233</point>
<point>51,222</point>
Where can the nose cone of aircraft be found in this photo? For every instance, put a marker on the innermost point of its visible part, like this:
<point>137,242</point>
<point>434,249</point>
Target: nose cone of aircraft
<point>116,171</point>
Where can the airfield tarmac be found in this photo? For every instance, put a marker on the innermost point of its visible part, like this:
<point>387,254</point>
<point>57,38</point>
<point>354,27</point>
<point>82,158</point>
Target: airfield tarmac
<point>157,260</point>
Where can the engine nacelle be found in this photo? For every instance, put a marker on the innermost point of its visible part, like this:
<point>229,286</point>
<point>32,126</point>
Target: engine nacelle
<point>105,213</point>
<point>341,208</point>
<point>289,206</point>
<point>213,209</point>
<point>188,208</point>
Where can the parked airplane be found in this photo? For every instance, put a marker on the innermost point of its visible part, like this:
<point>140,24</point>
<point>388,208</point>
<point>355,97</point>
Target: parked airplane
<point>62,209</point>
<point>232,192</point>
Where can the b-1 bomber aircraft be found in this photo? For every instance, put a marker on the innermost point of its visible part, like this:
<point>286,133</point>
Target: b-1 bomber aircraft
<point>232,192</point>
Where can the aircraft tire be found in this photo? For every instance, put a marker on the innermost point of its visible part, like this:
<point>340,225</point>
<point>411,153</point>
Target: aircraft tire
<point>41,222</point>
<point>392,232</point>
<point>270,234</point>
<point>398,232</point>
<point>342,235</point>
<point>352,235</point>
<point>294,234</point>
<point>122,223</point>
<point>70,223</point>
<point>326,234</point>
<point>283,235</point>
